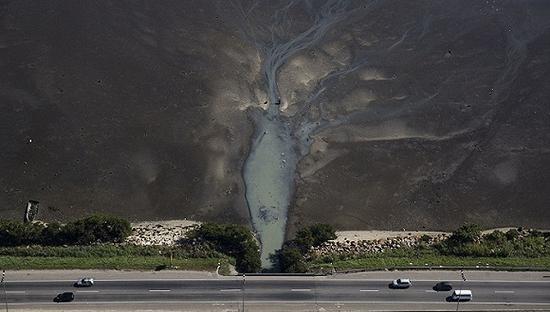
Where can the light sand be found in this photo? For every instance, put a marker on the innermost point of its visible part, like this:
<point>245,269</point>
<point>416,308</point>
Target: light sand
<point>376,235</point>
<point>167,223</point>
<point>159,232</point>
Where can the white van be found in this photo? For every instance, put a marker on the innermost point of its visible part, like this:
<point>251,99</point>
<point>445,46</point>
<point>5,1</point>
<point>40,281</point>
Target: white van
<point>462,295</point>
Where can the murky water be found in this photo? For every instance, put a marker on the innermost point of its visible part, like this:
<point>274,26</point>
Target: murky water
<point>268,174</point>
<point>270,167</point>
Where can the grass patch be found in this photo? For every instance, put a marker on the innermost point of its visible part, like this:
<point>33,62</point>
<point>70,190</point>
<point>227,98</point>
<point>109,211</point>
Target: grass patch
<point>466,247</point>
<point>117,263</point>
<point>110,250</point>
<point>119,257</point>
<point>382,262</point>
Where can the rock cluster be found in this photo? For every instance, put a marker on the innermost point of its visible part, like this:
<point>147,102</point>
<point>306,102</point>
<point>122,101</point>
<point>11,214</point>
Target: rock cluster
<point>157,234</point>
<point>350,247</point>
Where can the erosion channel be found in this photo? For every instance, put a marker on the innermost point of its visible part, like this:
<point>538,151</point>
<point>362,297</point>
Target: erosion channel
<point>280,140</point>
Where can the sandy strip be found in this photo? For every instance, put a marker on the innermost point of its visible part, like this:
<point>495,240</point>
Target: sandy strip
<point>377,234</point>
<point>159,232</point>
<point>167,223</point>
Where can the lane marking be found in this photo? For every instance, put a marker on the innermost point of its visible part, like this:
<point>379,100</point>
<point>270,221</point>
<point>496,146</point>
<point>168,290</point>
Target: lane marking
<point>262,278</point>
<point>15,291</point>
<point>369,290</point>
<point>358,280</point>
<point>300,289</point>
<point>159,290</point>
<point>507,303</point>
<point>504,291</point>
<point>231,289</point>
<point>430,291</point>
<point>87,291</point>
<point>118,280</point>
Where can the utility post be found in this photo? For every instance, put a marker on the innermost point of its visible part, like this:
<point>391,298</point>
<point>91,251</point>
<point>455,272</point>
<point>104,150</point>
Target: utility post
<point>4,287</point>
<point>218,269</point>
<point>243,288</point>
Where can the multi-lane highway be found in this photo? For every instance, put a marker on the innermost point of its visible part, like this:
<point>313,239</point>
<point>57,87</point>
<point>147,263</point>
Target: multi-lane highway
<point>256,290</point>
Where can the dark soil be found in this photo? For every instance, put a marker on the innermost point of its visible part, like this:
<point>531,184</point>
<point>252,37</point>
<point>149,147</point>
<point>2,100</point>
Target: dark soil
<point>138,108</point>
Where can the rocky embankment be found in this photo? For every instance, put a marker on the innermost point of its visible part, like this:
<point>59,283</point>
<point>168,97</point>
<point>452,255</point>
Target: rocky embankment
<point>159,232</point>
<point>358,247</point>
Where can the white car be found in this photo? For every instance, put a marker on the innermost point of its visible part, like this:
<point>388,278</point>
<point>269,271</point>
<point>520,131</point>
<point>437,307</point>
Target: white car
<point>461,295</point>
<point>84,282</point>
<point>401,283</point>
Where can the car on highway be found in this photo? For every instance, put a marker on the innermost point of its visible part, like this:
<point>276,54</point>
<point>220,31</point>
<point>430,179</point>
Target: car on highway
<point>84,282</point>
<point>67,296</point>
<point>400,283</point>
<point>461,295</point>
<point>442,286</point>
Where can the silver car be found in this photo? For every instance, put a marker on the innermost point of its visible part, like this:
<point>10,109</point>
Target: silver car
<point>401,283</point>
<point>84,282</point>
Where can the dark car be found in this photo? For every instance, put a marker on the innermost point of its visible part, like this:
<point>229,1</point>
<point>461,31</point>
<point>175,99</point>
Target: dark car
<point>64,297</point>
<point>443,286</point>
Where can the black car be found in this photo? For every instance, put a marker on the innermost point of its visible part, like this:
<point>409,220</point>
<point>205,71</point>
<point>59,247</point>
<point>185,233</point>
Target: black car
<point>64,297</point>
<point>443,286</point>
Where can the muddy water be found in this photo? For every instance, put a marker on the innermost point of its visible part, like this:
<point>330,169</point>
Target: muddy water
<point>268,175</point>
<point>270,167</point>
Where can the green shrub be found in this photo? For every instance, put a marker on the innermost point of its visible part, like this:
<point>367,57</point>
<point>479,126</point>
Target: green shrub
<point>93,229</point>
<point>497,237</point>
<point>11,233</point>
<point>303,240</point>
<point>425,238</point>
<point>97,229</point>
<point>468,233</point>
<point>466,242</point>
<point>291,260</point>
<point>512,234</point>
<point>322,233</point>
<point>313,236</point>
<point>233,240</point>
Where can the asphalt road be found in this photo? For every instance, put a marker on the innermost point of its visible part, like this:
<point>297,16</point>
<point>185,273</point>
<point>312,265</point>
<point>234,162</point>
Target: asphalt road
<point>275,289</point>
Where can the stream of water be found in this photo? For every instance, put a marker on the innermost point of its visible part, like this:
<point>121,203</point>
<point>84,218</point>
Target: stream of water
<point>269,173</point>
<point>270,167</point>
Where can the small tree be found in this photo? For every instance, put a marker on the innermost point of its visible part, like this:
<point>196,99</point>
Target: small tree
<point>11,233</point>
<point>249,259</point>
<point>322,233</point>
<point>512,234</point>
<point>52,234</point>
<point>468,233</point>
<point>313,236</point>
<point>303,240</point>
<point>97,229</point>
<point>496,236</point>
<point>291,260</point>
<point>233,240</point>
